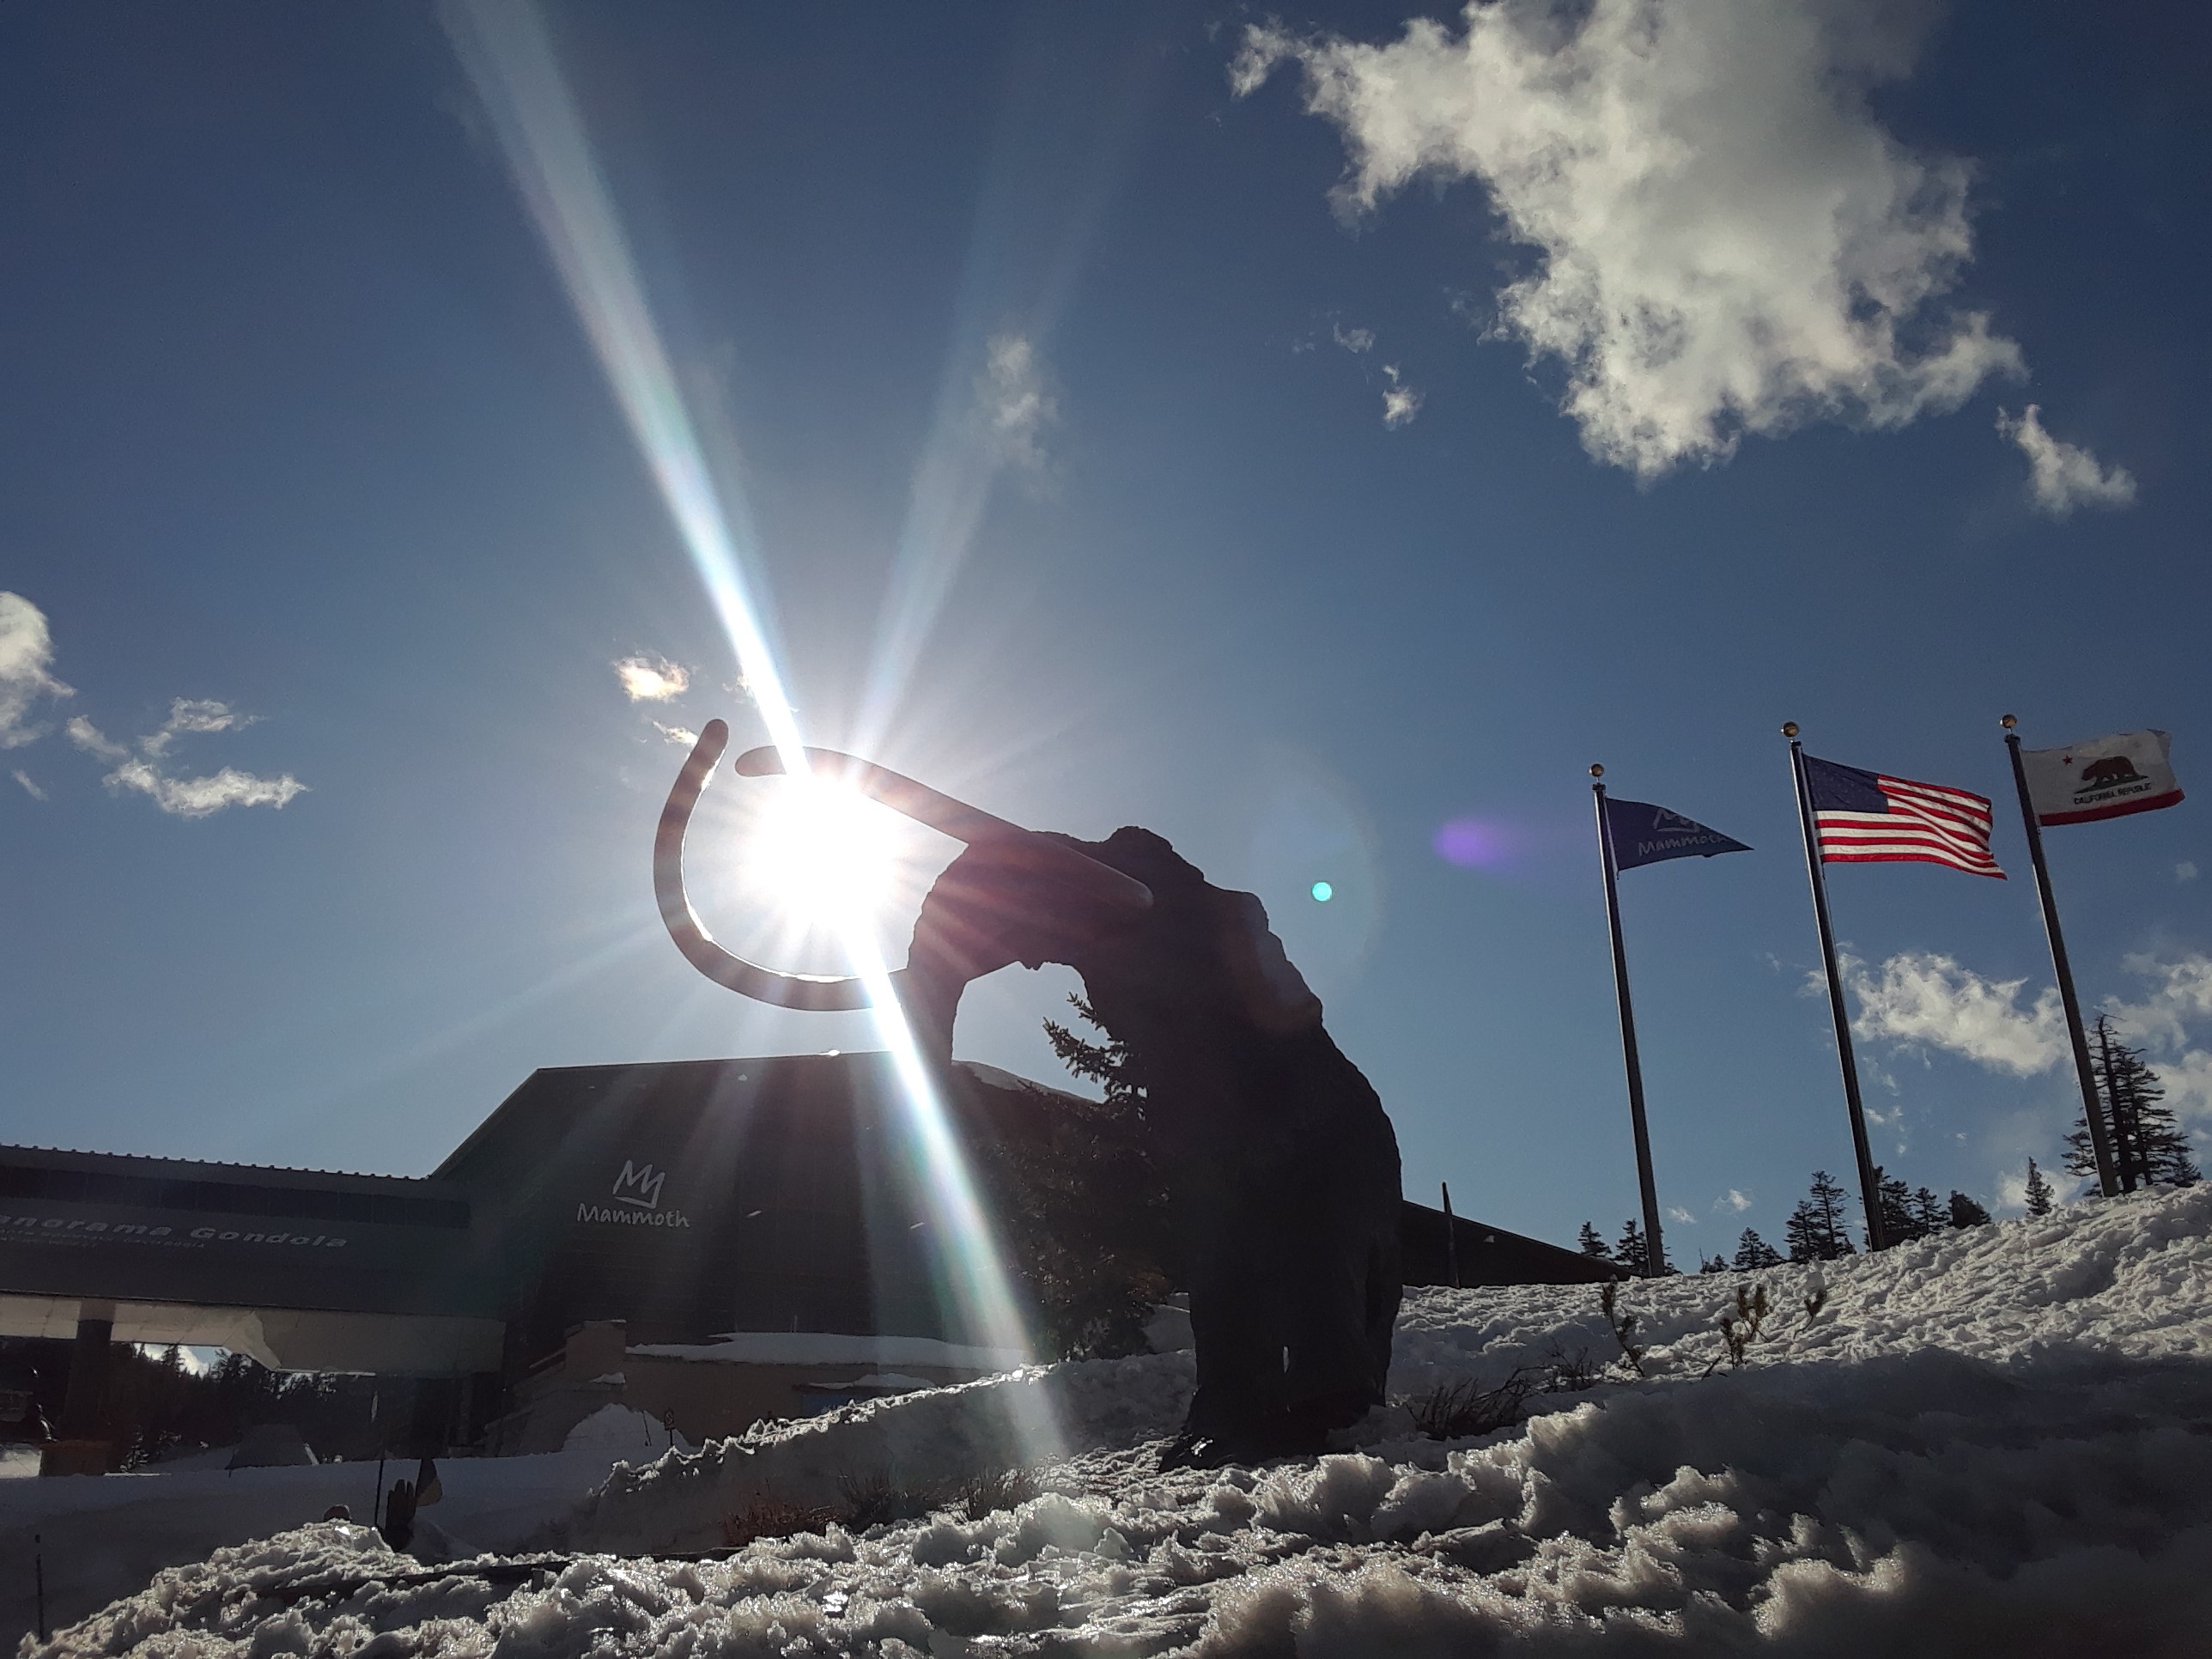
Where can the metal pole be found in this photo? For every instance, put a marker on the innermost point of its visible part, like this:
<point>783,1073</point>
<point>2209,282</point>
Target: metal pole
<point>1655,1251</point>
<point>1869,1183</point>
<point>1451,1237</point>
<point>2092,1108</point>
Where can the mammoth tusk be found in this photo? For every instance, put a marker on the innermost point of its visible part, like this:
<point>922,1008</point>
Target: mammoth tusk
<point>829,992</point>
<point>1084,875</point>
<point>1085,878</point>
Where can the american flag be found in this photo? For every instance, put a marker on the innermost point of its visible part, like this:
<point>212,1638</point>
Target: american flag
<point>1870,817</point>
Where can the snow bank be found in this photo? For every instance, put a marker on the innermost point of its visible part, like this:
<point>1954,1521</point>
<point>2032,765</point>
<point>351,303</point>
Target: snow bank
<point>105,1535</point>
<point>623,1431</point>
<point>831,1348</point>
<point>929,1437</point>
<point>1990,1443</point>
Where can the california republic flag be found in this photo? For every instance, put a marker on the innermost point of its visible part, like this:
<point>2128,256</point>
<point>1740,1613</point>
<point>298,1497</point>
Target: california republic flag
<point>2105,778</point>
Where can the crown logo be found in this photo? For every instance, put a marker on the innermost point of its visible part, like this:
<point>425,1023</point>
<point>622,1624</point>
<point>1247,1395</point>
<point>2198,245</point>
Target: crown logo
<point>638,1185</point>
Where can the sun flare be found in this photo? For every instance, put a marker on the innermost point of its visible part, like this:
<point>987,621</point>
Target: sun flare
<point>823,854</point>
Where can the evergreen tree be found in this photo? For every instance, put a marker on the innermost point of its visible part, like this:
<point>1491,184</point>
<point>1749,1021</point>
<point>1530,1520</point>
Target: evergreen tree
<point>1898,1225</point>
<point>1716,1264</point>
<point>2039,1196</point>
<point>1754,1255</point>
<point>1084,1202</point>
<point>1816,1229</point>
<point>1929,1212</point>
<point>1907,1213</point>
<point>2148,1144</point>
<point>1632,1252</point>
<point>1592,1245</point>
<point>1965,1212</point>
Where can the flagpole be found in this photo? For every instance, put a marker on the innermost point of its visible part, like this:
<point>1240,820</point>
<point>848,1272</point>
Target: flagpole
<point>1869,1185</point>
<point>2093,1110</point>
<point>1655,1253</point>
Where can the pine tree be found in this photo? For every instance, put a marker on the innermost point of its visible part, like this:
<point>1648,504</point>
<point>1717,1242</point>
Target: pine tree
<point>2040,1198</point>
<point>1965,1212</point>
<point>1930,1213</point>
<point>1592,1245</point>
<point>1632,1252</point>
<point>1753,1254</point>
<point>1898,1224</point>
<point>1816,1228</point>
<point>1712,1264</point>
<point>2148,1144</point>
<point>1084,1203</point>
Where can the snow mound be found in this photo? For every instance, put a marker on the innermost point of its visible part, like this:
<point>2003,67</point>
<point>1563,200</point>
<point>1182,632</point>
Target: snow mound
<point>622,1429</point>
<point>1991,1442</point>
<point>932,1436</point>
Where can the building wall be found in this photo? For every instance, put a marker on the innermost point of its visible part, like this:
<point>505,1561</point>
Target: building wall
<point>696,1197</point>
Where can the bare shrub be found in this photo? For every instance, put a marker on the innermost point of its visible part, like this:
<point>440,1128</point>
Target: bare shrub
<point>1570,1373</point>
<point>770,1517</point>
<point>1741,1325</point>
<point>1456,1411</point>
<point>989,1491</point>
<point>1622,1325</point>
<point>869,1498</point>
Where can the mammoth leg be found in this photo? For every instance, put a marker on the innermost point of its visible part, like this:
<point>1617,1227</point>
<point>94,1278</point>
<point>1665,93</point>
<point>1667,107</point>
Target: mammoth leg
<point>1232,1246</point>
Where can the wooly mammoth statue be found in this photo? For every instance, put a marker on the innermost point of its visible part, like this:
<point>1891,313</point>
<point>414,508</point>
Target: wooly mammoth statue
<point>1282,1166</point>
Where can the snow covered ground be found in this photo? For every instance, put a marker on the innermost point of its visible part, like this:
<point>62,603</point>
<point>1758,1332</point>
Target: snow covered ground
<point>102,1536</point>
<point>1998,1441</point>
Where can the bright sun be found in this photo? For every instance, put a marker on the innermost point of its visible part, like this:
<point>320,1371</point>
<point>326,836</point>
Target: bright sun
<point>821,853</point>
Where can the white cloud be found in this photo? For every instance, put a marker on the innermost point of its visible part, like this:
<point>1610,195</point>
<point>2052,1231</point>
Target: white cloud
<point>191,715</point>
<point>2184,871</point>
<point>29,787</point>
<point>184,797</point>
<point>1400,402</point>
<point>652,679</point>
<point>683,734</point>
<point>89,738</point>
<point>1352,339</point>
<point>27,656</point>
<point>1726,240</point>
<point>1735,1199</point>
<point>198,798</point>
<point>1927,999</point>
<point>1675,1212</point>
<point>1015,401</point>
<point>2180,995</point>
<point>2062,477</point>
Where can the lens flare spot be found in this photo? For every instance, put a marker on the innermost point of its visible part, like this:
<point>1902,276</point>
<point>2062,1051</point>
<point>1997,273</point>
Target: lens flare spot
<point>1471,844</point>
<point>1322,892</point>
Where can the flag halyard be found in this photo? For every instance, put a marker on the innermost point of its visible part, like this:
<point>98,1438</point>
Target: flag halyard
<point>1871,817</point>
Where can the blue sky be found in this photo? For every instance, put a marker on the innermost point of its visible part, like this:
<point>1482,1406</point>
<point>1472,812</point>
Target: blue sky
<point>1294,440</point>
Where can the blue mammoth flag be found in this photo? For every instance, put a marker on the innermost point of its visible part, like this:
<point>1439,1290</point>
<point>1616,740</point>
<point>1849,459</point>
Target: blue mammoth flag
<point>1644,833</point>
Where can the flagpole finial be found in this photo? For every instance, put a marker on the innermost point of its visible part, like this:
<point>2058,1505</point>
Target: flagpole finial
<point>1596,771</point>
<point>2009,722</point>
<point>1790,728</point>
